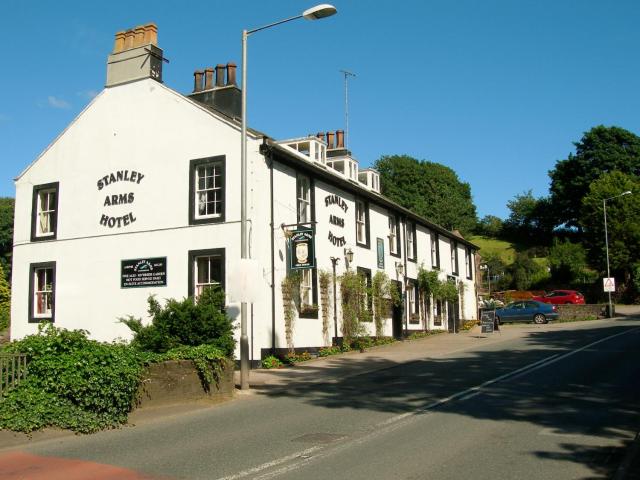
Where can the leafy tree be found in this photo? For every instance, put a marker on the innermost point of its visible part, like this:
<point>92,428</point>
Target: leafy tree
<point>6,234</point>
<point>601,150</point>
<point>489,226</point>
<point>530,220</point>
<point>526,272</point>
<point>5,301</point>
<point>568,262</point>
<point>622,223</point>
<point>498,271</point>
<point>429,189</point>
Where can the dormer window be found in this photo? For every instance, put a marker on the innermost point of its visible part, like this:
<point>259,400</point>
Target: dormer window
<point>312,148</point>
<point>44,220</point>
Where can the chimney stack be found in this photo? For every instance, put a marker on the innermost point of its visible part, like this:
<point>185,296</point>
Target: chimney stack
<point>135,56</point>
<point>220,68</point>
<point>330,144</point>
<point>231,73</point>
<point>197,80</point>
<point>320,135</point>
<point>340,138</point>
<point>208,78</point>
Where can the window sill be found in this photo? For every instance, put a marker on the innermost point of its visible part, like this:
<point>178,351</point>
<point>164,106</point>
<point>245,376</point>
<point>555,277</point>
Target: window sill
<point>309,313</point>
<point>414,260</point>
<point>363,245</point>
<point>43,238</point>
<point>41,319</point>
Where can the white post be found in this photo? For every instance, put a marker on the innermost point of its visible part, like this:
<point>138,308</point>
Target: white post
<point>244,244</point>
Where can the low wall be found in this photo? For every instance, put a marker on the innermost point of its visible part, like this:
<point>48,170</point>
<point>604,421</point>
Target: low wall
<point>580,312</point>
<point>177,381</point>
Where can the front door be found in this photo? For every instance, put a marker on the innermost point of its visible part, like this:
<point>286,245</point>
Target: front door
<point>396,315</point>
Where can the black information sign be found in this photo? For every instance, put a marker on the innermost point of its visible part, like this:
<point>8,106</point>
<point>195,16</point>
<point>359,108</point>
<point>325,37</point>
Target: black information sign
<point>302,253</point>
<point>487,320</point>
<point>144,272</point>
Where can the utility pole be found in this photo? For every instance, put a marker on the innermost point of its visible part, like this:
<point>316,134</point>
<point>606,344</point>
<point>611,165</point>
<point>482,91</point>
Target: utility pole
<point>346,74</point>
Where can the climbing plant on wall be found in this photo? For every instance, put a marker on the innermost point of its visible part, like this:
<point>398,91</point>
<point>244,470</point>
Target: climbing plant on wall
<point>353,294</point>
<point>290,287</point>
<point>325,281</point>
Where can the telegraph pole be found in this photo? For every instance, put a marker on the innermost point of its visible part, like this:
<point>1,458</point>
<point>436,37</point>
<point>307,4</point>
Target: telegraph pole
<point>346,74</point>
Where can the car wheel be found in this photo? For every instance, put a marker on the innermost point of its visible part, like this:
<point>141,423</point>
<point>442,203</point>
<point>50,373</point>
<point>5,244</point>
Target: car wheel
<point>539,318</point>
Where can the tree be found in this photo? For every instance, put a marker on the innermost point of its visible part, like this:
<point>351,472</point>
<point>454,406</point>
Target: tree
<point>489,226</point>
<point>529,220</point>
<point>526,272</point>
<point>6,234</point>
<point>601,150</point>
<point>622,223</point>
<point>428,189</point>
<point>568,262</point>
<point>5,301</point>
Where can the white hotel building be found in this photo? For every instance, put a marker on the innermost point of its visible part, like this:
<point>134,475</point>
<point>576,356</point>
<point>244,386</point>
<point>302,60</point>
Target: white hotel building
<point>140,195</point>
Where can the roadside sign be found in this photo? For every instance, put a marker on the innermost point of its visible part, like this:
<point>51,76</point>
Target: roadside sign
<point>609,284</point>
<point>487,321</point>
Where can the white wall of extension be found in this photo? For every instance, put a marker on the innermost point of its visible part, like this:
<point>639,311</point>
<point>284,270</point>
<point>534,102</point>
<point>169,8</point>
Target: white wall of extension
<point>147,128</point>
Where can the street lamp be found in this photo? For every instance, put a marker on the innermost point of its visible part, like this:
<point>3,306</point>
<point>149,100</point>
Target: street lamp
<point>485,266</point>
<point>314,13</point>
<point>606,240</point>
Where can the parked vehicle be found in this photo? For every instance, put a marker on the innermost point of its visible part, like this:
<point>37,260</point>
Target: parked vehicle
<point>562,297</point>
<point>526,311</point>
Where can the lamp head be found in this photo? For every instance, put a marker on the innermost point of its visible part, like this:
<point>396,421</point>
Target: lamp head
<point>319,11</point>
<point>628,192</point>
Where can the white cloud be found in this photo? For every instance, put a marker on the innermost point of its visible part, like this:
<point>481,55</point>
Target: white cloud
<point>57,102</point>
<point>87,94</point>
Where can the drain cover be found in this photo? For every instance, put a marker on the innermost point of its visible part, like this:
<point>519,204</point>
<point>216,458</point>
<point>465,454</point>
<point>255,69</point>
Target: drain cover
<point>318,438</point>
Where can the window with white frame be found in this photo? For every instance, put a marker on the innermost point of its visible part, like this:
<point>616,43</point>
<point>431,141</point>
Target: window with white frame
<point>412,304</point>
<point>45,212</point>
<point>42,291</point>
<point>206,270</point>
<point>306,287</point>
<point>362,220</point>
<point>435,251</point>
<point>411,241</point>
<point>207,190</point>
<point>468,261</point>
<point>394,239</point>
<point>454,257</point>
<point>303,188</point>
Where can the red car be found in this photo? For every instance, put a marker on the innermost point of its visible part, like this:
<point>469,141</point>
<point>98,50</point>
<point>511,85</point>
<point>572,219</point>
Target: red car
<point>562,297</point>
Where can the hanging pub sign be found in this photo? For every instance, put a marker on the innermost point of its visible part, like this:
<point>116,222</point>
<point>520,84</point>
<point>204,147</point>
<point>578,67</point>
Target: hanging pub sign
<point>301,249</point>
<point>144,272</point>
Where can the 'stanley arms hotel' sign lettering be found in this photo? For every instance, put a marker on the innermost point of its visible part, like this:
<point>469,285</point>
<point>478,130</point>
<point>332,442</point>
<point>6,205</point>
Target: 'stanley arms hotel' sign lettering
<point>334,220</point>
<point>119,199</point>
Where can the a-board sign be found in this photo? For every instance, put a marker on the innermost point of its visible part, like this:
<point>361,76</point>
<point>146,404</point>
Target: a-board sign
<point>143,272</point>
<point>487,321</point>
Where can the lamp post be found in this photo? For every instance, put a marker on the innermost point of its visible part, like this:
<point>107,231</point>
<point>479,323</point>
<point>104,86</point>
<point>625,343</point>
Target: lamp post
<point>313,13</point>
<point>485,266</point>
<point>334,261</point>
<point>606,240</point>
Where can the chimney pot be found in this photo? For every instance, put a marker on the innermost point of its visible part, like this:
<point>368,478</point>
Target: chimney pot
<point>119,43</point>
<point>220,75</point>
<point>150,34</point>
<point>231,73</point>
<point>197,80</point>
<point>138,38</point>
<point>330,137</point>
<point>340,138</point>
<point>208,78</point>
<point>128,39</point>
<point>320,135</point>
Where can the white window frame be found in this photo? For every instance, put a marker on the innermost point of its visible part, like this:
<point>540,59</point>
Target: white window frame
<point>411,298</point>
<point>306,287</point>
<point>200,286</point>
<point>411,238</point>
<point>361,222</point>
<point>216,187</point>
<point>43,291</point>
<point>454,257</point>
<point>46,211</point>
<point>393,235</point>
<point>303,199</point>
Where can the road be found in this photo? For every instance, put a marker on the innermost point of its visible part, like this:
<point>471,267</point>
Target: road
<point>550,402</point>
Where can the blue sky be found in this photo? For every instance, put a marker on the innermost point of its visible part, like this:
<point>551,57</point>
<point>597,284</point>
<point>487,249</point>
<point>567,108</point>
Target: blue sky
<point>495,89</point>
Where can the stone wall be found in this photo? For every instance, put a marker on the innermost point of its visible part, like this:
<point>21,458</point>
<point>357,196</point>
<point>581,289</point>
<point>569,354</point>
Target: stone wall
<point>177,381</point>
<point>581,312</point>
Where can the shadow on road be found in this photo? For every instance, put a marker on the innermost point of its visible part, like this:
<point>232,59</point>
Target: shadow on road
<point>603,400</point>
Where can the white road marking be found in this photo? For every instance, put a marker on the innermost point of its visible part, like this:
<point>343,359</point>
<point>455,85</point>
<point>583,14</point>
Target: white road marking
<point>301,458</point>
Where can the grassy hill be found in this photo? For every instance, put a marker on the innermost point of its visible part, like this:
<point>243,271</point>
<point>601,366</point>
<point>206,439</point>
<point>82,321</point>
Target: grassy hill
<point>492,246</point>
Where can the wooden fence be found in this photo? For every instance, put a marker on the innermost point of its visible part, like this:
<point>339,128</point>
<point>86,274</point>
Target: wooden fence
<point>13,369</point>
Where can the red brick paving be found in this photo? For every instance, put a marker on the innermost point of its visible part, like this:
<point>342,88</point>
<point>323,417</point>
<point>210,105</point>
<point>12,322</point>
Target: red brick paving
<point>25,466</point>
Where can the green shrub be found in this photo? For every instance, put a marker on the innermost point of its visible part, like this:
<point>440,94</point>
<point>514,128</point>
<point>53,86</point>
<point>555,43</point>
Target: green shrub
<point>73,382</point>
<point>5,301</point>
<point>327,351</point>
<point>271,362</point>
<point>185,322</point>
